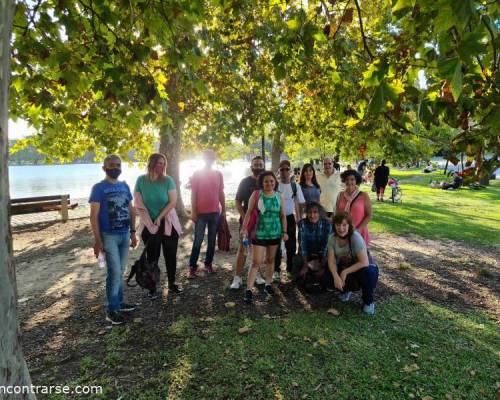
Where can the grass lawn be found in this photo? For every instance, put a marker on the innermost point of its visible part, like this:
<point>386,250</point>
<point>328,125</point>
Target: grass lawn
<point>409,350</point>
<point>468,215</point>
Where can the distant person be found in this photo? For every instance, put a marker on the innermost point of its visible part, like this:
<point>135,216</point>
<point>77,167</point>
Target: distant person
<point>381,179</point>
<point>362,166</point>
<point>294,201</point>
<point>207,204</point>
<point>329,181</point>
<point>309,184</point>
<point>349,267</point>
<point>269,229</point>
<point>112,218</point>
<point>457,182</point>
<point>245,189</point>
<point>336,163</point>
<point>355,203</point>
<point>155,196</point>
<point>429,168</point>
<point>315,231</point>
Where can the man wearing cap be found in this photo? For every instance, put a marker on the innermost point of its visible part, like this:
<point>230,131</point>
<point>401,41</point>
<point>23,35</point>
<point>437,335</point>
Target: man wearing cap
<point>331,186</point>
<point>294,201</point>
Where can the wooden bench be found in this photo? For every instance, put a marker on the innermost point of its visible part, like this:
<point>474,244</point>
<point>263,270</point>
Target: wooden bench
<point>30,205</point>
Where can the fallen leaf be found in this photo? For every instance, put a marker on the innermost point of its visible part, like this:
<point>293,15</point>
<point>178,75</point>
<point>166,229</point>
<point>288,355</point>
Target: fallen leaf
<point>230,304</point>
<point>102,332</point>
<point>394,319</point>
<point>427,398</point>
<point>267,316</point>
<point>414,346</point>
<point>280,337</point>
<point>472,372</point>
<point>411,368</point>
<point>244,329</point>
<point>307,339</point>
<point>295,384</point>
<point>137,320</point>
<point>414,355</point>
<point>322,342</point>
<point>309,355</point>
<point>23,300</point>
<point>207,319</point>
<point>333,311</point>
<point>448,396</point>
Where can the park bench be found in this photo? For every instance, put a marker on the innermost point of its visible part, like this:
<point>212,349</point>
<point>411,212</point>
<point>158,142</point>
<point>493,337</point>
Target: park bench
<point>30,205</point>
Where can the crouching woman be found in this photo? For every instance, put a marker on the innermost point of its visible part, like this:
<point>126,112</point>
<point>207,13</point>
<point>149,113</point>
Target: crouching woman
<point>348,263</point>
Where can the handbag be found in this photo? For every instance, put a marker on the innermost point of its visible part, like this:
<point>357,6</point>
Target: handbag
<point>147,274</point>
<point>254,217</point>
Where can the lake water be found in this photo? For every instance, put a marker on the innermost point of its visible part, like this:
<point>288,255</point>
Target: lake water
<point>77,179</point>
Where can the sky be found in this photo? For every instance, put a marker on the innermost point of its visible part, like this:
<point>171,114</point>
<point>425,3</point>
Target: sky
<point>19,129</point>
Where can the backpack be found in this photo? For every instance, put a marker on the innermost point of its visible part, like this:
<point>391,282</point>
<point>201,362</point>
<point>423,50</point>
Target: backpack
<point>147,274</point>
<point>294,189</point>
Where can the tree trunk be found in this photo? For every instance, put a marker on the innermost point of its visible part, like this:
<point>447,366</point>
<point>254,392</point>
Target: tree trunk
<point>445,167</point>
<point>171,147</point>
<point>277,150</point>
<point>13,368</point>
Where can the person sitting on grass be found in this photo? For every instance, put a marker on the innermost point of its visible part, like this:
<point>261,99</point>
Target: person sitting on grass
<point>314,232</point>
<point>348,263</point>
<point>457,182</point>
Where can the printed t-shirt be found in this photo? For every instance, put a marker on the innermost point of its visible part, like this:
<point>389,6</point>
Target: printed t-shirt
<point>114,198</point>
<point>154,193</point>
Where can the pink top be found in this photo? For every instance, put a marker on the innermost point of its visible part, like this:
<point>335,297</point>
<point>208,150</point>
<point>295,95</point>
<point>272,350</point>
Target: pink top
<point>206,186</point>
<point>357,213</point>
<point>171,219</point>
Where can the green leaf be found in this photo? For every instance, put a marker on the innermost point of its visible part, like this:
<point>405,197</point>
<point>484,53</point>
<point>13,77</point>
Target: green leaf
<point>463,10</point>
<point>451,70</point>
<point>403,4</point>
<point>377,102</point>
<point>294,24</point>
<point>444,19</point>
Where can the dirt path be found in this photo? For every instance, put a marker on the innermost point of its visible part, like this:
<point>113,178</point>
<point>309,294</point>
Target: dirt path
<point>61,289</point>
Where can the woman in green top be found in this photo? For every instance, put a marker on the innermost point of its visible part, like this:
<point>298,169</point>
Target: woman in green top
<point>159,195</point>
<point>270,229</point>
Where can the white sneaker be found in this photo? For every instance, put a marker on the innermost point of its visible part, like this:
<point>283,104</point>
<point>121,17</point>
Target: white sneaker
<point>237,282</point>
<point>259,280</point>
<point>276,276</point>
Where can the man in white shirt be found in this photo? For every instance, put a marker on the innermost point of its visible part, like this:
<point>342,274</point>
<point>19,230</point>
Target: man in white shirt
<point>294,201</point>
<point>330,184</point>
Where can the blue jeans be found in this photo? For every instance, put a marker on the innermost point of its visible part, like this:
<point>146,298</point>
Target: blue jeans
<point>365,278</point>
<point>116,249</point>
<point>212,220</point>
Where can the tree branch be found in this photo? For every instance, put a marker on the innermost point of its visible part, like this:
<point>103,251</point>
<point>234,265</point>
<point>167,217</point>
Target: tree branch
<point>396,123</point>
<point>495,61</point>
<point>365,44</point>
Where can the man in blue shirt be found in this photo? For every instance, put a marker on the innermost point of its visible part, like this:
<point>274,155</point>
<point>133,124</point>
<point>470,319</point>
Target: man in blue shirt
<point>112,218</point>
<point>314,232</point>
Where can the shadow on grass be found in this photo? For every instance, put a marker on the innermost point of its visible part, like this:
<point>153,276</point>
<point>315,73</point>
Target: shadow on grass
<point>409,349</point>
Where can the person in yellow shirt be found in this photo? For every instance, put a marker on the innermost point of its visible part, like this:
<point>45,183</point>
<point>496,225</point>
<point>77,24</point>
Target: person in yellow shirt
<point>330,184</point>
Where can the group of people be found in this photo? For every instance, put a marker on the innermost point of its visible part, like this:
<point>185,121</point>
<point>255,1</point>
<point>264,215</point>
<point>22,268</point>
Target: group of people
<point>332,239</point>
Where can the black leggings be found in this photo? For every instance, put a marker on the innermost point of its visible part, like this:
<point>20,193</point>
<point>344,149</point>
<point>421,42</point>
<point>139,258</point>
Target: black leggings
<point>169,244</point>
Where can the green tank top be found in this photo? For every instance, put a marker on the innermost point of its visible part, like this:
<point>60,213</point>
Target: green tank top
<point>269,224</point>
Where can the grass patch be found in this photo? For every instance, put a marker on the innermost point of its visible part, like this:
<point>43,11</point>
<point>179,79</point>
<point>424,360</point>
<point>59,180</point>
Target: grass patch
<point>467,215</point>
<point>410,349</point>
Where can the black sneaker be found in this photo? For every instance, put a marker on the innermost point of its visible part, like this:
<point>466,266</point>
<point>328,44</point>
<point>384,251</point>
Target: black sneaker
<point>152,296</point>
<point>248,297</point>
<point>127,307</point>
<point>269,290</point>
<point>174,288</point>
<point>115,318</point>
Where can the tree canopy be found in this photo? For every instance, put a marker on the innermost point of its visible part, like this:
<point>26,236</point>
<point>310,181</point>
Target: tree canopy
<point>399,78</point>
